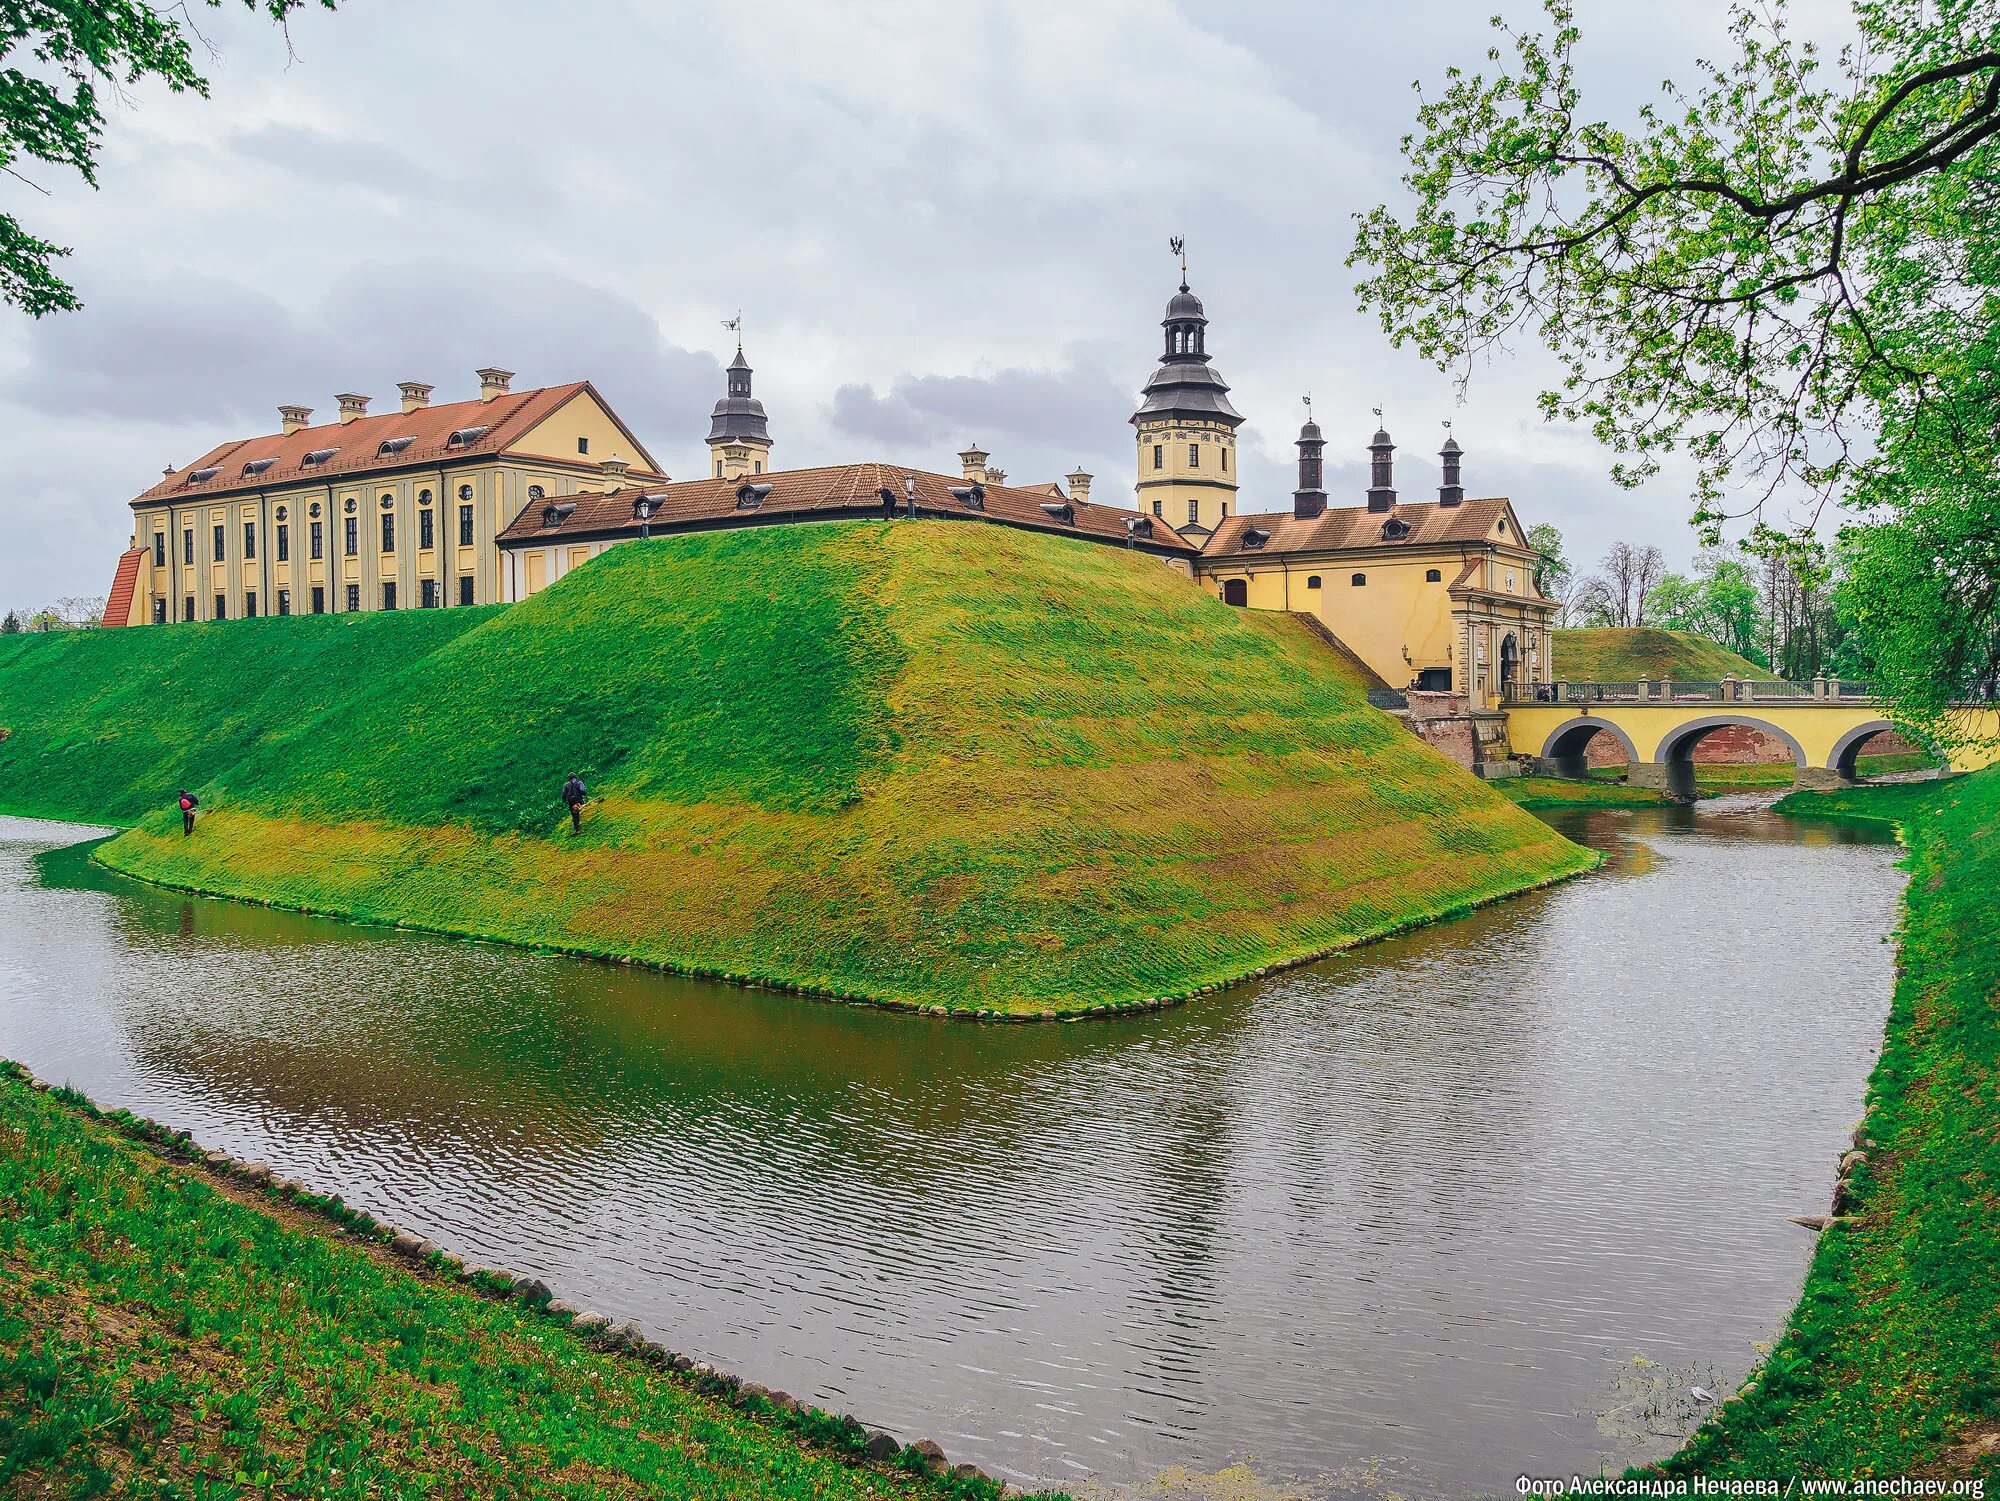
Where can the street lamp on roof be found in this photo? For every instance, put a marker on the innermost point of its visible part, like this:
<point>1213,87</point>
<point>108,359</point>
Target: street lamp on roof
<point>910,494</point>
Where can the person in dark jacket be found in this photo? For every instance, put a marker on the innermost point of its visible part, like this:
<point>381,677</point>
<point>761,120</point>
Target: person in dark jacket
<point>189,802</point>
<point>574,795</point>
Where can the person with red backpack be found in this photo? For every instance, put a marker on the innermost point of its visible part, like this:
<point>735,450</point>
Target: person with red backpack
<point>189,802</point>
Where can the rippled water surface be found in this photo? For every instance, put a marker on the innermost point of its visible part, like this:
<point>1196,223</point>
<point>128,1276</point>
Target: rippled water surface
<point>1399,1221</point>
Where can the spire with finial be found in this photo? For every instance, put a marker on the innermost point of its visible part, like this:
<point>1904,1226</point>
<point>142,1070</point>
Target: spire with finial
<point>739,438</point>
<point>1452,491</point>
<point>1381,474</point>
<point>1309,500</point>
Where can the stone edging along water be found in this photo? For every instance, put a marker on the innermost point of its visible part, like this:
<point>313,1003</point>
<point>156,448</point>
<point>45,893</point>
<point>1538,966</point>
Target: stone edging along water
<point>847,1435</point>
<point>1097,1011</point>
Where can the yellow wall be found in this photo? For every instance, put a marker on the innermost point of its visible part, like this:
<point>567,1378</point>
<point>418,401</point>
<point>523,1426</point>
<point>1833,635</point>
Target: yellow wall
<point>1207,476</point>
<point>735,458</point>
<point>1816,727</point>
<point>582,416</point>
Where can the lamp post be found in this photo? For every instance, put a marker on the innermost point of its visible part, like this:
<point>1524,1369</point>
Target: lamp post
<point>910,494</point>
<point>645,510</point>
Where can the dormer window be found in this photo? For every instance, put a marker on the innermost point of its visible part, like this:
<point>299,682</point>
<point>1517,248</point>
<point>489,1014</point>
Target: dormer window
<point>1395,529</point>
<point>1061,510</point>
<point>257,466</point>
<point>972,496</point>
<point>394,445</point>
<point>464,437</point>
<point>557,512</point>
<point>749,497</point>
<point>1253,539</point>
<point>202,476</point>
<point>317,457</point>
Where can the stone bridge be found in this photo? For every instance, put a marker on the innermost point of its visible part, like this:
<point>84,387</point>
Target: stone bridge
<point>1823,723</point>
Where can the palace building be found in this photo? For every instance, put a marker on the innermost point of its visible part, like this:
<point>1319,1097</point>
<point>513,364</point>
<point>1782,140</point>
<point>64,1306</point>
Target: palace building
<point>494,499</point>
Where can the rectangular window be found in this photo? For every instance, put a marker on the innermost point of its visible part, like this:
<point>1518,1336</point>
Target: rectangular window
<point>187,607</point>
<point>583,445</point>
<point>465,590</point>
<point>319,599</point>
<point>221,607</point>
<point>249,539</point>
<point>159,612</point>
<point>465,526</point>
<point>353,598</point>
<point>317,542</point>
<point>1225,510</point>
<point>1194,512</point>
<point>1194,456</point>
<point>159,549</point>
<point>426,529</point>
<point>389,533</point>
<point>353,538</point>
<point>1159,508</point>
<point>250,605</point>
<point>187,550</point>
<point>388,596</point>
<point>284,542</point>
<point>219,530</point>
<point>1159,455</point>
<point>718,469</point>
<point>1225,461</point>
<point>284,601</point>
<point>427,592</point>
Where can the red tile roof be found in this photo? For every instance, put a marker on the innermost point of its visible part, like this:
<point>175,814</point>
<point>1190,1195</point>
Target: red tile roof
<point>124,584</point>
<point>506,419</point>
<point>1357,526</point>
<point>836,490</point>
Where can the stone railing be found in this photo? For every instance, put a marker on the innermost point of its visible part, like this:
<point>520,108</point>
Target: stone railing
<point>1730,690</point>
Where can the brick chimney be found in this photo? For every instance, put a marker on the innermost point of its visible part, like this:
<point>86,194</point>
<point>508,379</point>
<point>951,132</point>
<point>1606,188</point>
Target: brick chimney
<point>291,419</point>
<point>972,464</point>
<point>1451,492</point>
<point>415,394</point>
<point>995,476</point>
<point>613,469</point>
<point>493,383</point>
<point>1079,485</point>
<point>351,406</point>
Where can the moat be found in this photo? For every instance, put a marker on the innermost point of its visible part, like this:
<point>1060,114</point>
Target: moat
<point>1407,1220</point>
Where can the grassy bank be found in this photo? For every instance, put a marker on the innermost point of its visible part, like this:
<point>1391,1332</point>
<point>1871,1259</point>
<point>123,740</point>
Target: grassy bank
<point>1620,655</point>
<point>167,1333</point>
<point>1562,792</point>
<point>1891,1361</point>
<point>934,764</point>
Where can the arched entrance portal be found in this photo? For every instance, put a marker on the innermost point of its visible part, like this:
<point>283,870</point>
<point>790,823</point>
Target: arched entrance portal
<point>1235,592</point>
<point>1676,753</point>
<point>1569,745</point>
<point>1510,659</point>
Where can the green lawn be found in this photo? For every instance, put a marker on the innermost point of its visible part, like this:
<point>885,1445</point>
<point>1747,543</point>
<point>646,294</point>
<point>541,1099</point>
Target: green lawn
<point>1617,655</point>
<point>160,1339</point>
<point>932,763</point>
<point>1561,792</point>
<point>1890,1364</point>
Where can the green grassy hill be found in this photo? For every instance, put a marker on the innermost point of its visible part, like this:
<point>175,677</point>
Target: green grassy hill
<point>933,763</point>
<point>1616,655</point>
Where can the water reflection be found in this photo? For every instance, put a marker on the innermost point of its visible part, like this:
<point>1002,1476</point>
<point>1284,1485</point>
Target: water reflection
<point>1408,1212</point>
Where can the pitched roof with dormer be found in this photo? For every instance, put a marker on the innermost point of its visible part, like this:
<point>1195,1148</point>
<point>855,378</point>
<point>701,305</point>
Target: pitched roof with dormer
<point>448,431</point>
<point>1341,528</point>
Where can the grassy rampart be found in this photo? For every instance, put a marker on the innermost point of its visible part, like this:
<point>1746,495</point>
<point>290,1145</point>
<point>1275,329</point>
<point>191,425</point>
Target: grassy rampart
<point>1890,1364</point>
<point>167,1332</point>
<point>928,763</point>
<point>1613,654</point>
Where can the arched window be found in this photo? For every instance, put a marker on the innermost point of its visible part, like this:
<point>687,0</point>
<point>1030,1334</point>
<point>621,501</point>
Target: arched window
<point>1358,580</point>
<point>1235,592</point>
<point>1313,582</point>
<point>1432,576</point>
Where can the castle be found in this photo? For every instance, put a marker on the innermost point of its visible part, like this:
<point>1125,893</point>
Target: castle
<point>489,500</point>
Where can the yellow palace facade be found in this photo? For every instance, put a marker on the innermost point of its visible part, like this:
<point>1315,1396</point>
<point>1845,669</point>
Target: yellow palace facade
<point>492,499</point>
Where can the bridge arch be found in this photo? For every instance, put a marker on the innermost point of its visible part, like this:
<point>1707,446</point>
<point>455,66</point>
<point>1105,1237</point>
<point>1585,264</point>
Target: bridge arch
<point>1676,750</point>
<point>1568,744</point>
<point>1849,745</point>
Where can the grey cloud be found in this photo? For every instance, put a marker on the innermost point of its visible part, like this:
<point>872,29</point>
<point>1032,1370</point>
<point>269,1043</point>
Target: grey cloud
<point>1078,406</point>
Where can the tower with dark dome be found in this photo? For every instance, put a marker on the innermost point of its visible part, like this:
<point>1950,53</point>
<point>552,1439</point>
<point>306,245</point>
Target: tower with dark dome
<point>1187,427</point>
<point>739,439</point>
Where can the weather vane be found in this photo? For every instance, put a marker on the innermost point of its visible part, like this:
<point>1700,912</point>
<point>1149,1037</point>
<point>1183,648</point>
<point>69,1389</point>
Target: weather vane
<point>1308,399</point>
<point>735,326</point>
<point>1178,244</point>
<point>1378,411</point>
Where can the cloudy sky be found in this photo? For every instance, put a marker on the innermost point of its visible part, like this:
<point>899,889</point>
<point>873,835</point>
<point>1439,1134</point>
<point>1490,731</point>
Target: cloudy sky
<point>943,223</point>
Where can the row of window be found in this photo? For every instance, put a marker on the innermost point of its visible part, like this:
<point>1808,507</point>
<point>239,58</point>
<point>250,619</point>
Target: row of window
<point>1194,511</point>
<point>426,538</point>
<point>1194,457</point>
<point>428,598</point>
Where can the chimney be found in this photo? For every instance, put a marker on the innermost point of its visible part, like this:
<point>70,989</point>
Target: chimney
<point>415,394</point>
<point>1079,485</point>
<point>1382,472</point>
<point>972,463</point>
<point>613,469</point>
<point>351,406</point>
<point>995,476</point>
<point>493,383</point>
<point>291,419</point>
<point>1309,500</point>
<point>1451,492</point>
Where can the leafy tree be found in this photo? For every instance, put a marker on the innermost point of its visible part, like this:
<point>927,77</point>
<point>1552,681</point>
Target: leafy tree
<point>1790,271</point>
<point>10,624</point>
<point>57,59</point>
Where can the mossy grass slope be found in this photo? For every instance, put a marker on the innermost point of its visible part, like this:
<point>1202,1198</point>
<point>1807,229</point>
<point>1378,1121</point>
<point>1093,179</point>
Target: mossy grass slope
<point>932,763</point>
<point>1623,655</point>
<point>1890,1364</point>
<point>158,1338</point>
